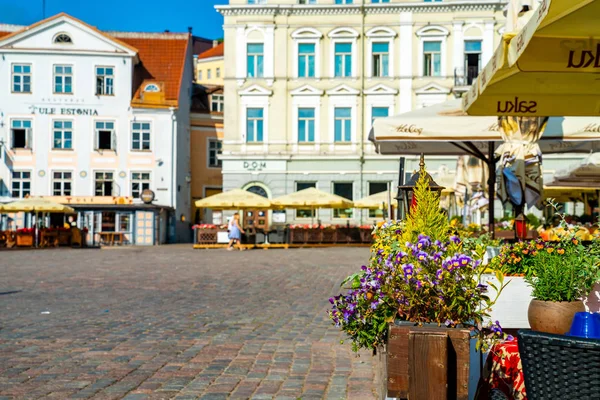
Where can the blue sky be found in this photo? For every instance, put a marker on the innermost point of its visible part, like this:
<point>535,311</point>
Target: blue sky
<point>124,15</point>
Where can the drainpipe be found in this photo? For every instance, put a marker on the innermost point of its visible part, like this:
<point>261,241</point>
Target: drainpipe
<point>173,162</point>
<point>362,106</point>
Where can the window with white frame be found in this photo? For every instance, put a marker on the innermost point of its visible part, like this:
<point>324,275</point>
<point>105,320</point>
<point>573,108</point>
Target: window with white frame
<point>432,58</point>
<point>380,53</point>
<point>306,60</point>
<point>214,151</point>
<point>343,59</point>
<point>217,101</point>
<point>21,134</point>
<point>62,183</point>
<point>21,184</point>
<point>255,60</point>
<point>21,78</point>
<point>105,79</point>
<point>140,181</point>
<point>62,135</point>
<point>344,1</point>
<point>343,124</point>
<point>199,74</point>
<point>307,1</point>
<point>140,136</point>
<point>209,74</point>
<point>306,125</point>
<point>63,79</point>
<point>257,1</point>
<point>379,1</point>
<point>218,72</point>
<point>374,188</point>
<point>105,136</point>
<point>379,112</point>
<point>63,38</point>
<point>254,124</point>
<point>103,182</point>
<point>345,190</point>
<point>305,213</point>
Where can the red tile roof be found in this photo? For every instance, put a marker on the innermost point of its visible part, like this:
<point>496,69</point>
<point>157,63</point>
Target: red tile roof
<point>2,34</point>
<point>217,51</point>
<point>162,59</point>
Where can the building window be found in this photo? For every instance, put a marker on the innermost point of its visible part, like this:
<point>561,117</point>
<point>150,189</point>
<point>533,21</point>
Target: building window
<point>344,1</point>
<point>344,189</point>
<point>343,124</point>
<point>62,135</point>
<point>343,59</point>
<point>432,58</point>
<point>21,78</point>
<point>374,188</point>
<point>104,81</point>
<point>257,1</point>
<point>307,1</point>
<point>305,213</point>
<point>199,75</point>
<point>140,181</point>
<point>381,57</point>
<point>472,59</point>
<point>21,184</point>
<point>103,183</point>
<point>106,139</point>
<point>20,132</point>
<point>217,102</point>
<point>62,183</point>
<point>209,74</point>
<point>218,72</point>
<point>379,1</point>
<point>151,87</point>
<point>379,112</point>
<point>62,38</point>
<point>140,136</point>
<point>214,151</point>
<point>306,125</point>
<point>255,52</point>
<point>306,60</point>
<point>254,124</point>
<point>63,79</point>
<point>432,1</point>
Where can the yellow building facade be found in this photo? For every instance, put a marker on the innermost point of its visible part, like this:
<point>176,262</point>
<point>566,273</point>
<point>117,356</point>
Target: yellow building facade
<point>210,66</point>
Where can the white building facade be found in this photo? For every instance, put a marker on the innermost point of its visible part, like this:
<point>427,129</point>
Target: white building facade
<point>304,81</point>
<point>79,121</point>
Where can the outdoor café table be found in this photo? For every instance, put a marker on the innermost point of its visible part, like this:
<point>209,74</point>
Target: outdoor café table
<point>502,371</point>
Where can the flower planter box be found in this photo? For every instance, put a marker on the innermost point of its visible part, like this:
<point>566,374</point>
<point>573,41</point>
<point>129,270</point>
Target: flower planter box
<point>206,236</point>
<point>504,235</point>
<point>329,235</point>
<point>366,235</point>
<point>314,235</point>
<point>511,307</point>
<point>298,236</point>
<point>64,238</point>
<point>429,363</point>
<point>25,239</point>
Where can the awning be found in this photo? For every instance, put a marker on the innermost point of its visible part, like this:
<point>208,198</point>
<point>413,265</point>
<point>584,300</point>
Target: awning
<point>236,199</point>
<point>311,198</point>
<point>33,204</point>
<point>549,68</point>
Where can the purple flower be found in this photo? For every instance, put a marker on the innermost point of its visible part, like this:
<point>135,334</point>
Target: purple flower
<point>437,256</point>
<point>438,274</point>
<point>374,304</point>
<point>455,239</point>
<point>482,288</point>
<point>510,338</point>
<point>449,322</point>
<point>422,256</point>
<point>331,300</point>
<point>408,270</point>
<point>419,284</point>
<point>423,241</point>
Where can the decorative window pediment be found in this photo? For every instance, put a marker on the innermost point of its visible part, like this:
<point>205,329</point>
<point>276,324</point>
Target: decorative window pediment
<point>343,90</point>
<point>306,90</point>
<point>381,89</point>
<point>381,31</point>
<point>62,38</point>
<point>307,33</point>
<point>255,90</point>
<point>433,88</point>
<point>343,33</point>
<point>433,30</point>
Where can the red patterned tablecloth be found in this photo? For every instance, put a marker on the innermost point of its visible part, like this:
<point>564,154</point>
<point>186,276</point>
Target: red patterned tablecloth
<point>503,371</point>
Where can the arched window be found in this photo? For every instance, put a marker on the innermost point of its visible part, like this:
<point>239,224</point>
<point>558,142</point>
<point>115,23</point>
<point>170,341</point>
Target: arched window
<point>151,87</point>
<point>62,38</point>
<point>259,190</point>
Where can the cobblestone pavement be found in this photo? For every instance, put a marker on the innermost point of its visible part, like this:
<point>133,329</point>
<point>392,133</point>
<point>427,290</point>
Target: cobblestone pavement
<point>172,322</point>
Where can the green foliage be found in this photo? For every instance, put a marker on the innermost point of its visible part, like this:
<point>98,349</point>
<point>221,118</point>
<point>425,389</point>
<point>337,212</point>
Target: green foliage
<point>532,220</point>
<point>426,218</point>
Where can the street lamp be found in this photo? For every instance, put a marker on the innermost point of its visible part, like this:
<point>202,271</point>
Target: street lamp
<point>406,193</point>
<point>520,227</point>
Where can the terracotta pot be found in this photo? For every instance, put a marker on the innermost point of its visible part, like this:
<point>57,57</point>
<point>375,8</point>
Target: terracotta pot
<point>553,316</point>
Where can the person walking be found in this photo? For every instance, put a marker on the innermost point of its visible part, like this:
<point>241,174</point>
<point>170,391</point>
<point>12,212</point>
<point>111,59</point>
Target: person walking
<point>235,233</point>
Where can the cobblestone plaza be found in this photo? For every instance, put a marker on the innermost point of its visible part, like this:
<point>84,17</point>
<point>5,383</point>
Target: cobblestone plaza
<point>172,322</point>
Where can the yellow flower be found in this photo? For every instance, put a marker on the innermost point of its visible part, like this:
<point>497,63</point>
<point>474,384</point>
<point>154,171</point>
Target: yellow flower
<point>550,250</point>
<point>560,251</point>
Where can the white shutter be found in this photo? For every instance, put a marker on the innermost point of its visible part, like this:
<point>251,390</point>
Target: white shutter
<point>113,138</point>
<point>29,138</point>
<point>12,139</point>
<point>96,139</point>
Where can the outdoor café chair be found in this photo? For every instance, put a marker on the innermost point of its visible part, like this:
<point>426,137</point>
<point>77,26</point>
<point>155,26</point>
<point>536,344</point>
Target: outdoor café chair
<point>559,367</point>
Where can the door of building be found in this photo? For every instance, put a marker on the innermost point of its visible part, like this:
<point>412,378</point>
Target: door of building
<point>257,218</point>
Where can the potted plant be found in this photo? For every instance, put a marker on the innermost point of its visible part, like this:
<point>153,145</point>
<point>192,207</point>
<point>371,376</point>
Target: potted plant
<point>563,274</point>
<point>25,237</point>
<point>419,294</point>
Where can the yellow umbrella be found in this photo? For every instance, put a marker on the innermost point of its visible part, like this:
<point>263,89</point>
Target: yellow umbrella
<point>549,68</point>
<point>375,201</point>
<point>235,199</point>
<point>36,205</point>
<point>312,198</point>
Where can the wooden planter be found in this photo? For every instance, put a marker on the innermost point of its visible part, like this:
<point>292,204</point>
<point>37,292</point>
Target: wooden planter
<point>25,239</point>
<point>314,235</point>
<point>64,238</point>
<point>428,363</point>
<point>366,235</point>
<point>206,236</point>
<point>329,235</point>
<point>298,236</point>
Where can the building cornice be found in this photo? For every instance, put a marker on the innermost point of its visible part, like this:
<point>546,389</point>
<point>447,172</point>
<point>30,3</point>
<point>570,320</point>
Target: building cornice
<point>348,9</point>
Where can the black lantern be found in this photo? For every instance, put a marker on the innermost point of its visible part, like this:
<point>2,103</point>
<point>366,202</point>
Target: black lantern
<point>406,192</point>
